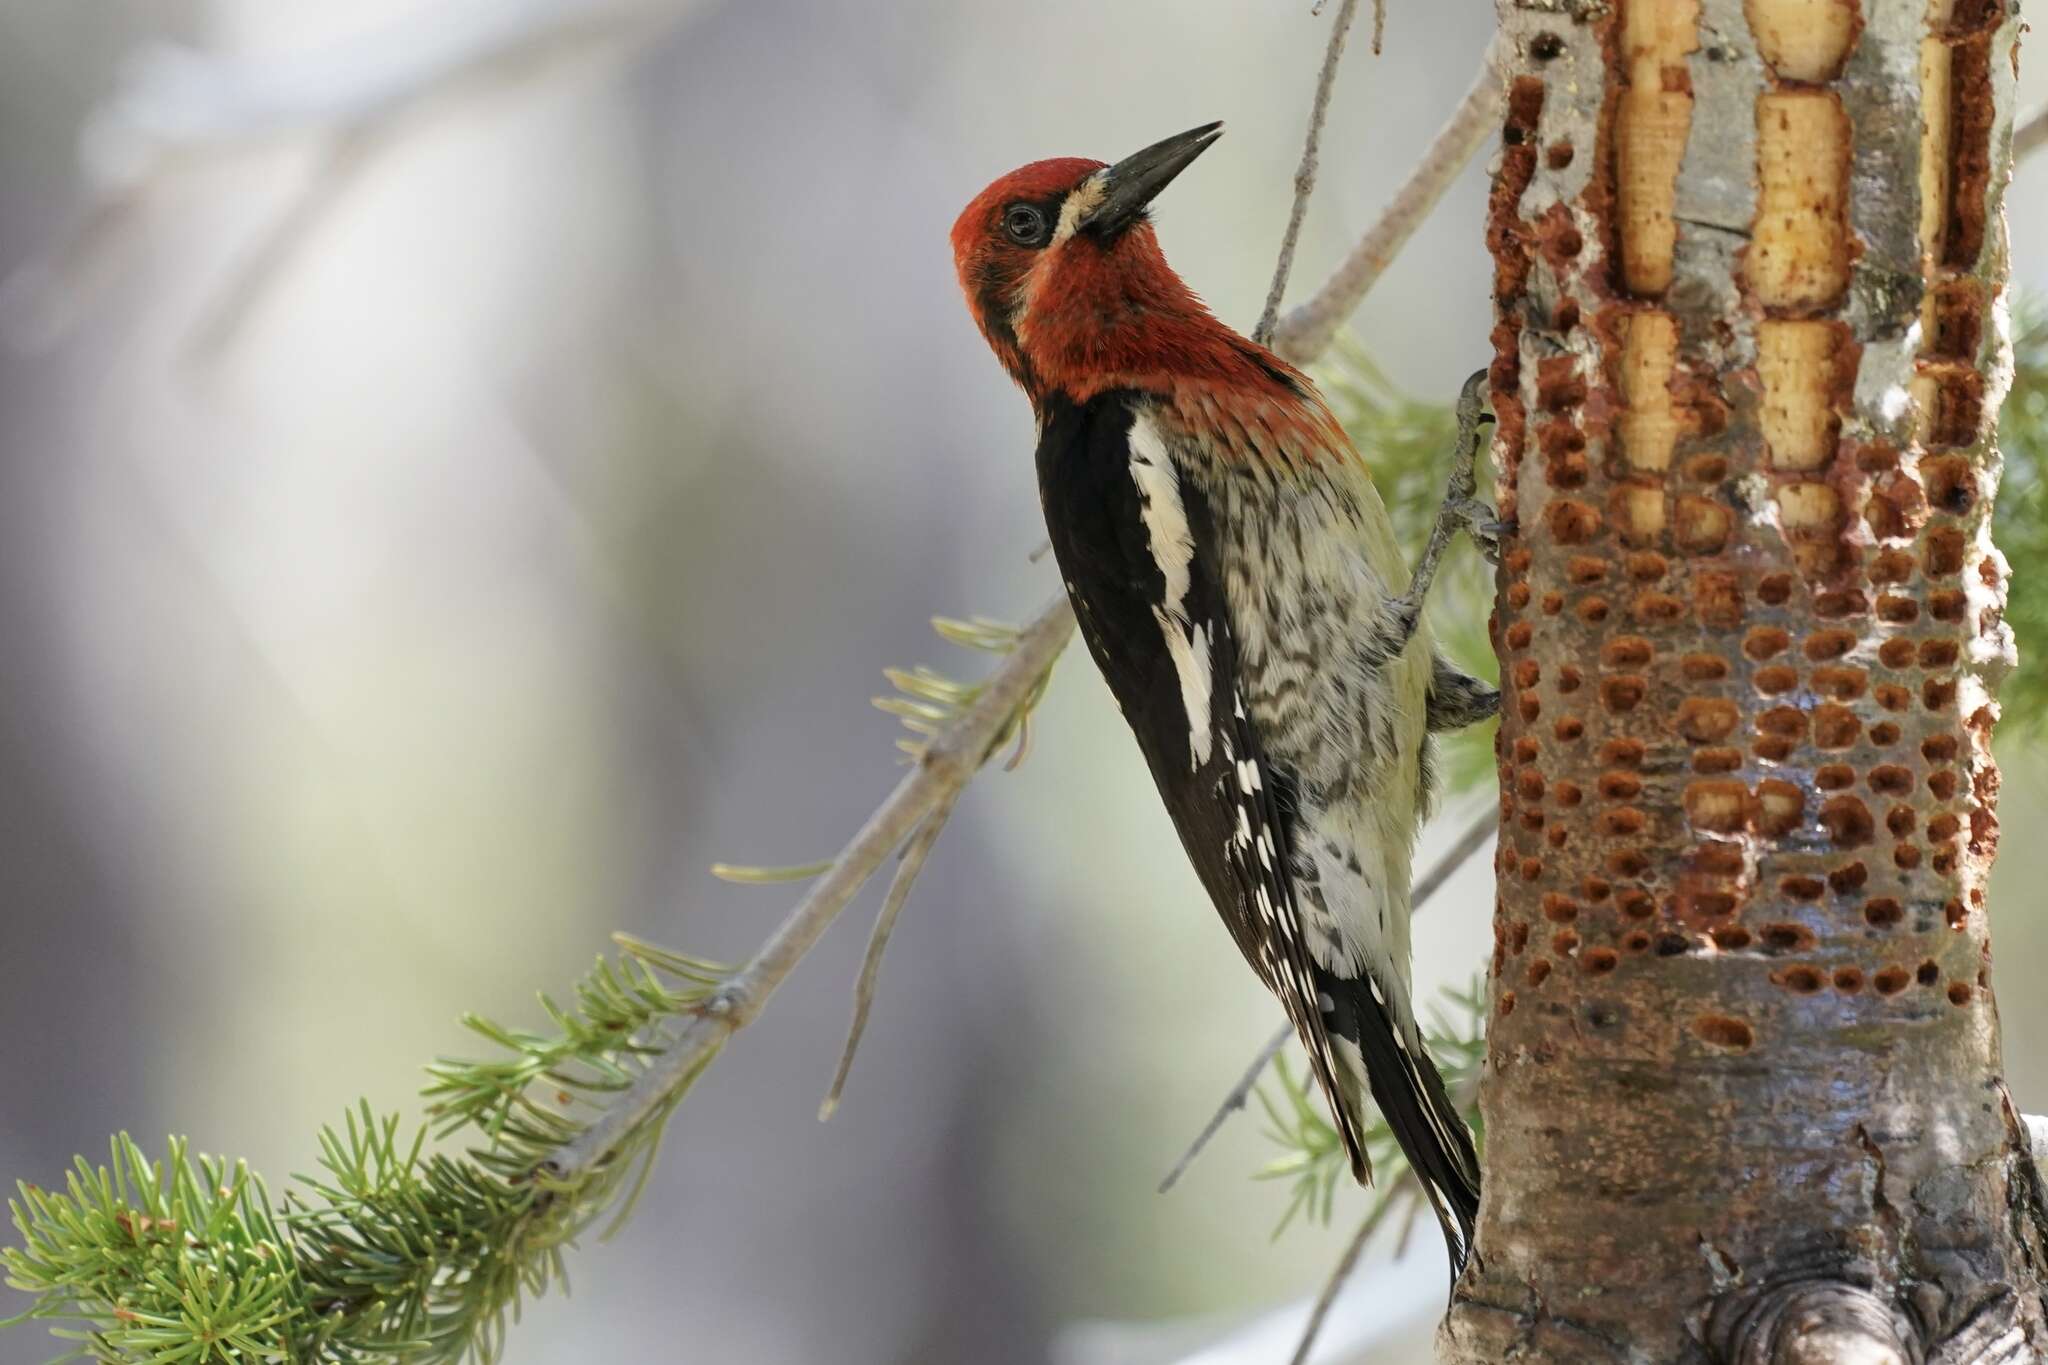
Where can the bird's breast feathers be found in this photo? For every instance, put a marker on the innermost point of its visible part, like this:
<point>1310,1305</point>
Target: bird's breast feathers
<point>1308,561</point>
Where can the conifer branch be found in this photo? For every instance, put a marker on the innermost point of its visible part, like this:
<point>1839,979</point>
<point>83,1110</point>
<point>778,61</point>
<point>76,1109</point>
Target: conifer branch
<point>944,767</point>
<point>395,1253</point>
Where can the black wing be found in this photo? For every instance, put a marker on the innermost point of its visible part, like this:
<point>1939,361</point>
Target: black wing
<point>1137,549</point>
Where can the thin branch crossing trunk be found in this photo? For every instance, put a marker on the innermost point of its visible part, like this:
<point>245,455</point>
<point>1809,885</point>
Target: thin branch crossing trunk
<point>1743,1098</point>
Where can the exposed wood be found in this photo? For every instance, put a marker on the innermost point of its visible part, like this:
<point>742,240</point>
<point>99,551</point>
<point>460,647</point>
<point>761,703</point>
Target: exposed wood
<point>1800,255</point>
<point>1795,364</point>
<point>1648,426</point>
<point>1804,40</point>
<point>1650,134</point>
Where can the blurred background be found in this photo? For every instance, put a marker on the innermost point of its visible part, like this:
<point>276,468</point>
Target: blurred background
<point>393,606</point>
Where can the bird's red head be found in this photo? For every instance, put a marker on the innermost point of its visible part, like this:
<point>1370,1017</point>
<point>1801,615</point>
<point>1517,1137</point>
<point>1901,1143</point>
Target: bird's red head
<point>1064,276</point>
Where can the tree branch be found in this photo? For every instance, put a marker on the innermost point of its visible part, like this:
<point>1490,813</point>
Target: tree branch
<point>907,869</point>
<point>953,757</point>
<point>1306,332</point>
<point>1305,175</point>
<point>342,163</point>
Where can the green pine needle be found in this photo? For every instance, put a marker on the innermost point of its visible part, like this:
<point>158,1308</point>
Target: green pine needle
<point>173,1262</point>
<point>392,1252</point>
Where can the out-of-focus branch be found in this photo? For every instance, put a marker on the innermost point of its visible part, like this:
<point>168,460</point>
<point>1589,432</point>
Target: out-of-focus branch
<point>178,107</point>
<point>1307,330</point>
<point>2030,133</point>
<point>263,262</point>
<point>947,763</point>
<point>1239,1095</point>
<point>1341,1272</point>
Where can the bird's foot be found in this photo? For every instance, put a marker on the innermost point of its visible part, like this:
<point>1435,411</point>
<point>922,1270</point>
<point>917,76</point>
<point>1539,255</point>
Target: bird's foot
<point>1478,520</point>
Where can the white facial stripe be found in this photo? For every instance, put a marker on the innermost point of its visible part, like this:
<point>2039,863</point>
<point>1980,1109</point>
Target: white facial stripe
<point>1173,549</point>
<point>1020,306</point>
<point>1080,204</point>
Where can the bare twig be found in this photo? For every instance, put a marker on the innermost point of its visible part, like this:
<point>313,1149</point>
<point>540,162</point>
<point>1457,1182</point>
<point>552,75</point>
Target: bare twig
<point>1306,332</point>
<point>1407,1226</point>
<point>1456,856</point>
<point>907,868</point>
<point>953,757</point>
<point>1305,175</point>
<point>1342,1272</point>
<point>1470,842</point>
<point>1240,1094</point>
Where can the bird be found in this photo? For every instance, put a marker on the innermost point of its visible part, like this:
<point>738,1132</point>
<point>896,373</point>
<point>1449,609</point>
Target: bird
<point>1239,584</point>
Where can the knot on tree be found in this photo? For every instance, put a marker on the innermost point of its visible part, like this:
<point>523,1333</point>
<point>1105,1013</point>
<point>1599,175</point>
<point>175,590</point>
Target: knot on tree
<point>1813,1322</point>
<point>1820,1319</point>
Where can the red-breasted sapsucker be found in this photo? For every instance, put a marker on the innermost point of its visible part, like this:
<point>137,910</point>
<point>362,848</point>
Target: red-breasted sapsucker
<point>1238,581</point>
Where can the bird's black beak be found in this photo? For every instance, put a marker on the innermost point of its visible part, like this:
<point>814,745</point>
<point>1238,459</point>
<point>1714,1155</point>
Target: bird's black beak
<point>1131,184</point>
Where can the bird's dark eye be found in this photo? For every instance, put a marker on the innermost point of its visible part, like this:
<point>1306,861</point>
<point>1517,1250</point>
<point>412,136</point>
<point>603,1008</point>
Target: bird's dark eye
<point>1024,224</point>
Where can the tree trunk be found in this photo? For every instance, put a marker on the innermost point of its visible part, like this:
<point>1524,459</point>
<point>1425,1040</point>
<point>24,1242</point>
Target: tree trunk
<point>1743,1098</point>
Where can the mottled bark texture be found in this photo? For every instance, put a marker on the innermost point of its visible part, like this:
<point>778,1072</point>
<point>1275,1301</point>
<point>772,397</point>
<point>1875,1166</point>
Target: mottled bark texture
<point>1743,1098</point>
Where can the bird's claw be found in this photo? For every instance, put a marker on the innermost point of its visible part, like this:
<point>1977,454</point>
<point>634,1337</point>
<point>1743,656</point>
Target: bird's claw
<point>1484,525</point>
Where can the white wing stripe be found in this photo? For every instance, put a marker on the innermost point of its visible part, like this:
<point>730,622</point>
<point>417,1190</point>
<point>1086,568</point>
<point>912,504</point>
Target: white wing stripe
<point>1173,549</point>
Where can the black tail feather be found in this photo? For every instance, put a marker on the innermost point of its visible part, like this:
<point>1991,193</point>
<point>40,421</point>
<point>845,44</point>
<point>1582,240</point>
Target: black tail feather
<point>1410,1094</point>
